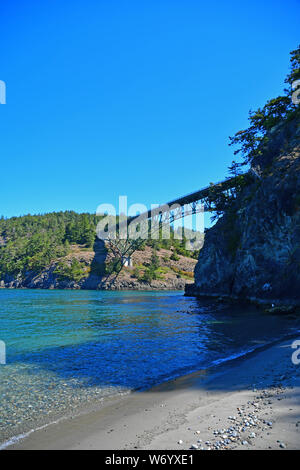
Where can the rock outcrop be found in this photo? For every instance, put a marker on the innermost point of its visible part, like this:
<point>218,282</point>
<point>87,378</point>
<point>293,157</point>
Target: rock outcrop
<point>253,251</point>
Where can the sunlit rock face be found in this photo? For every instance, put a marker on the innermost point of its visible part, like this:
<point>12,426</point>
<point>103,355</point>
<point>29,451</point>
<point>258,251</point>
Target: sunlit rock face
<point>254,251</point>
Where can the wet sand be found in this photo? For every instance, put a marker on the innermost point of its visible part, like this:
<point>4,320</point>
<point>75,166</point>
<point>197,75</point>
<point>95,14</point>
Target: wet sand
<point>251,403</point>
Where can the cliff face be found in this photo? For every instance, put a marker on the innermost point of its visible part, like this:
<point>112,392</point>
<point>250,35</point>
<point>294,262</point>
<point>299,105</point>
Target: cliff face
<point>253,251</point>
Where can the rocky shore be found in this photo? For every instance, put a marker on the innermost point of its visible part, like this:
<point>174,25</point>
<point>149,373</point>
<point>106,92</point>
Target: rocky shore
<point>171,274</point>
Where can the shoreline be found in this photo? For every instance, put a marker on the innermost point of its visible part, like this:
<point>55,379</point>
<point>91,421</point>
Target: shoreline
<point>133,289</point>
<point>190,408</point>
<point>282,305</point>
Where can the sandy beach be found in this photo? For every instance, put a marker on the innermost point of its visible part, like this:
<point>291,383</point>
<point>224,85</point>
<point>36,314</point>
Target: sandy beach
<point>251,403</point>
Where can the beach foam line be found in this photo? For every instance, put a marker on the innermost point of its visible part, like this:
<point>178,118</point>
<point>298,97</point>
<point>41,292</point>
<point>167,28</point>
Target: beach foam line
<point>255,349</point>
<point>14,439</point>
<point>19,437</point>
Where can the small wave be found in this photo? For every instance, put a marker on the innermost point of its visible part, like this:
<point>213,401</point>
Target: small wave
<point>15,439</point>
<point>261,347</point>
<point>19,437</point>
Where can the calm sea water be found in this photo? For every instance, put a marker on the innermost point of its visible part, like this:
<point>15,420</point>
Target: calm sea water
<point>67,348</point>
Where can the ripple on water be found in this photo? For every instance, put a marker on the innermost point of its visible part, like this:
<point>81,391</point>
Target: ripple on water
<point>67,350</point>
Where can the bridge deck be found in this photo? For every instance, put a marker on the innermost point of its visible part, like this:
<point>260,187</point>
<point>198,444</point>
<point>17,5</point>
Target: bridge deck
<point>188,198</point>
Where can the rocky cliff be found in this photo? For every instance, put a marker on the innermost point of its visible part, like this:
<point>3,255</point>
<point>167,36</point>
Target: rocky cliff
<point>253,251</point>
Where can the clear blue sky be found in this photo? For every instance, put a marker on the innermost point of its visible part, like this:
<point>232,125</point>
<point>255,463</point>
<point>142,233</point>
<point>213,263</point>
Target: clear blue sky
<point>136,98</point>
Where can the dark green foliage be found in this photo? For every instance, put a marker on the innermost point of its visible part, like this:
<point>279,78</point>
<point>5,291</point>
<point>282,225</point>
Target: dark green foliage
<point>137,273</point>
<point>155,244</point>
<point>174,256</point>
<point>73,271</point>
<point>166,244</point>
<point>155,260</point>
<point>149,275</point>
<point>251,141</point>
<point>220,200</point>
<point>151,272</point>
<point>31,242</point>
<point>81,231</point>
<point>113,267</point>
<point>235,169</point>
<point>295,67</point>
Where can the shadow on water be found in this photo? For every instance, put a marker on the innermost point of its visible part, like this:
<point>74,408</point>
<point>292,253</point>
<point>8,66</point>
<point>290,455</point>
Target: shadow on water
<point>67,349</point>
<point>136,340</point>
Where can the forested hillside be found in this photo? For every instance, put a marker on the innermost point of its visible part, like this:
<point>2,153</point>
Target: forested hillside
<point>62,247</point>
<point>31,242</point>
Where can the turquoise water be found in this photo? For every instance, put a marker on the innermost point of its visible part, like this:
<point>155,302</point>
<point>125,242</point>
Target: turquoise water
<point>65,349</point>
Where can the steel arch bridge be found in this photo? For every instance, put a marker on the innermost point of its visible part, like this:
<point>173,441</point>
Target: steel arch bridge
<point>127,235</point>
<point>192,203</point>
